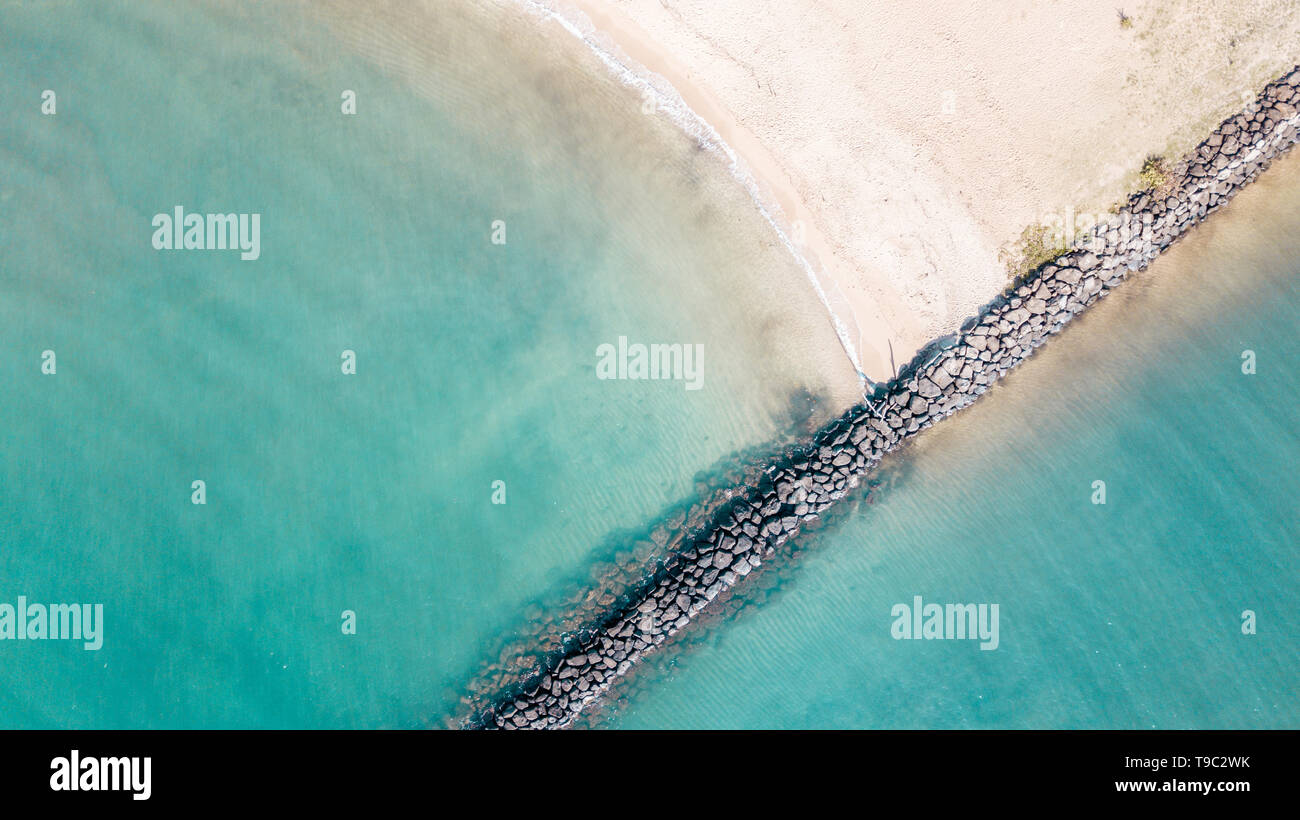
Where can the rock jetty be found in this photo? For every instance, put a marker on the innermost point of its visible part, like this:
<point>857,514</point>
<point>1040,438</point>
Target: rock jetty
<point>947,376</point>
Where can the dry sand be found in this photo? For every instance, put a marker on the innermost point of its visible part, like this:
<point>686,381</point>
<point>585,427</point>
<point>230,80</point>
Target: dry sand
<point>904,142</point>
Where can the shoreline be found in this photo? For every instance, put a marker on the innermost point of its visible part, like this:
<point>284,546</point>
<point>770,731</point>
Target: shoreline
<point>754,530</point>
<point>896,183</point>
<point>705,119</point>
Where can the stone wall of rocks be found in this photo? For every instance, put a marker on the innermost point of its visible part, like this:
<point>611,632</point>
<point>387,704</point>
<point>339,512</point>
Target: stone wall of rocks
<point>946,377</point>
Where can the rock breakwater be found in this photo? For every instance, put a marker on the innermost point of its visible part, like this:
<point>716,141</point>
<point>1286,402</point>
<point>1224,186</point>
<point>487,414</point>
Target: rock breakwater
<point>944,378</point>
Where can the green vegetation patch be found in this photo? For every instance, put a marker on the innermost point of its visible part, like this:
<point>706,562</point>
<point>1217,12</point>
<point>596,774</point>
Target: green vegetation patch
<point>1038,244</point>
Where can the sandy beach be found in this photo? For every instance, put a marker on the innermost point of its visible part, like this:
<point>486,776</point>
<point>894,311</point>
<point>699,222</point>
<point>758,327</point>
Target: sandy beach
<point>904,144</point>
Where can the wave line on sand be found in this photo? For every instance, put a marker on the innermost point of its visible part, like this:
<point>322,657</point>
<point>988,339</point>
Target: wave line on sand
<point>667,98</point>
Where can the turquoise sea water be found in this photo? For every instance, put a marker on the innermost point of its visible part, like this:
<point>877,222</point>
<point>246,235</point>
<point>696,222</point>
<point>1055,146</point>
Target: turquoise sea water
<point>1123,615</point>
<point>476,363</point>
<point>328,492</point>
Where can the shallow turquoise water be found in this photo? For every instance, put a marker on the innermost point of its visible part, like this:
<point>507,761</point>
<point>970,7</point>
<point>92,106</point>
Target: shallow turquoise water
<point>1123,615</point>
<point>475,362</point>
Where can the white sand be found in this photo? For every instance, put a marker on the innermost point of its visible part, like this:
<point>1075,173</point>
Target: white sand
<point>907,141</point>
